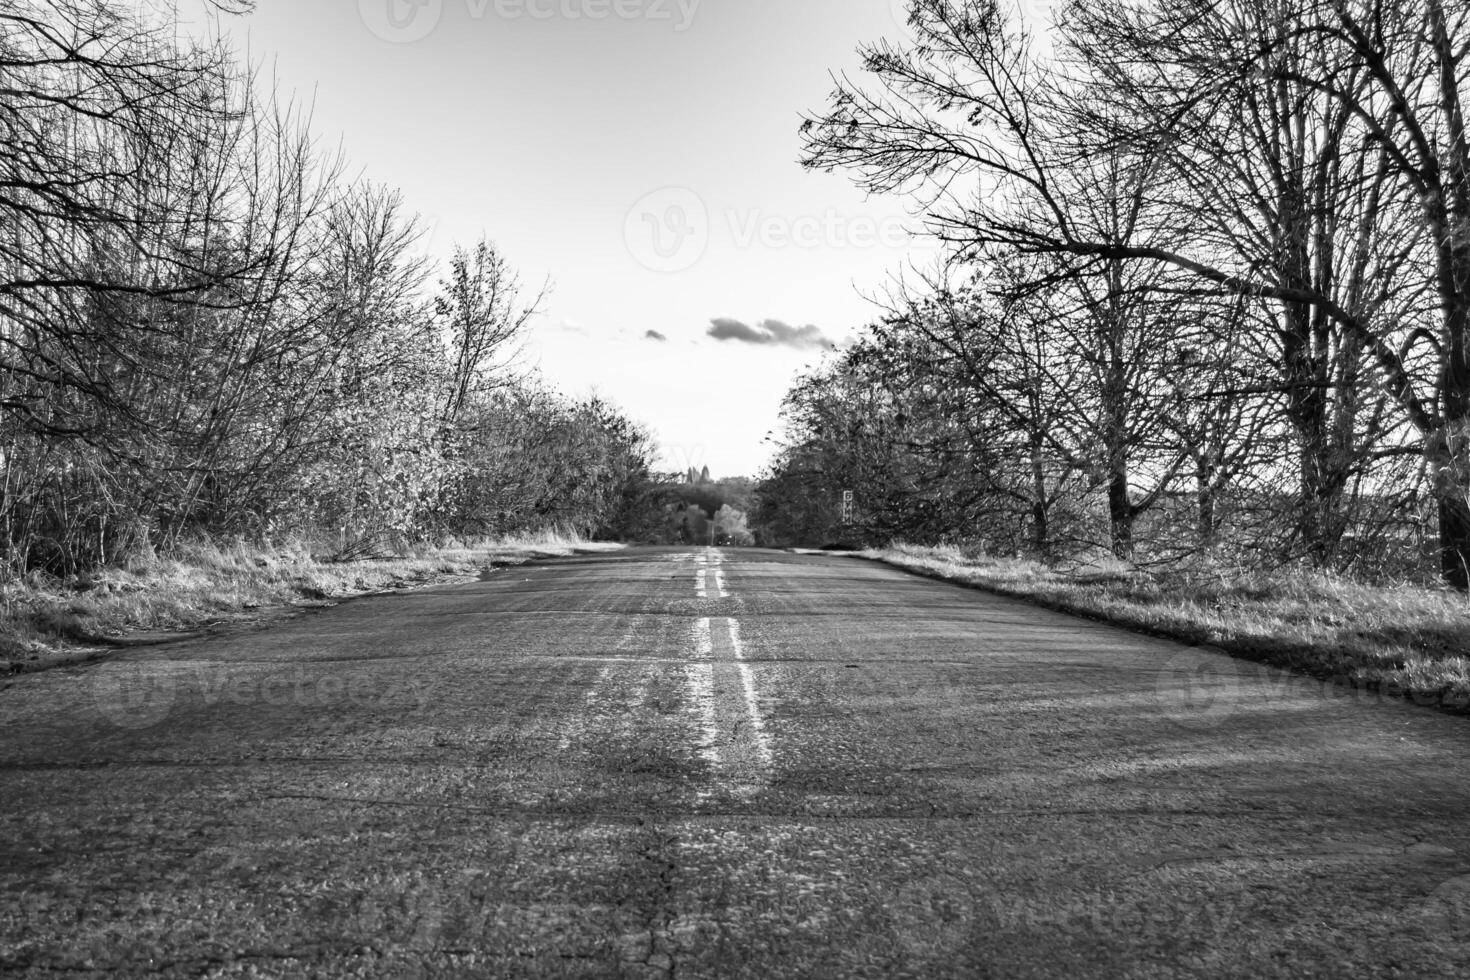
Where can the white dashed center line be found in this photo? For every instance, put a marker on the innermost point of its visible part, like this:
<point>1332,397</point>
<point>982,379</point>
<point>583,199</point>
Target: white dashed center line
<point>709,578</point>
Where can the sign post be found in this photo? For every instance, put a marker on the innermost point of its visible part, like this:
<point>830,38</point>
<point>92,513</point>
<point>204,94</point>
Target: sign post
<point>847,499</point>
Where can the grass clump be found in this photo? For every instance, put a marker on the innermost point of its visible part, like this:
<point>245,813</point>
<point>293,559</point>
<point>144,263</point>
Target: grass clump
<point>1406,639</point>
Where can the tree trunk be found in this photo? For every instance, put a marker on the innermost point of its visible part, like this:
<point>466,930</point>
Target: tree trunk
<point>1447,450</point>
<point>1449,219</point>
<point>1306,384</point>
<point>1206,519</point>
<point>1449,459</point>
<point>1115,407</point>
<point>1040,532</point>
<point>1040,529</point>
<point>1454,541</point>
<point>1120,515</point>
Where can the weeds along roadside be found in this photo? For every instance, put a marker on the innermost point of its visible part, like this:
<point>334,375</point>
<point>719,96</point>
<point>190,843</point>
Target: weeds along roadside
<point>204,584</point>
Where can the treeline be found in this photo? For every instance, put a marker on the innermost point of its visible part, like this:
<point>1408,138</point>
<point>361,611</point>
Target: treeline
<point>206,329</point>
<point>1207,287</point>
<point>696,509</point>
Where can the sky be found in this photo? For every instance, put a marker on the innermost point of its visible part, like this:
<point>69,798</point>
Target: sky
<point>642,155</point>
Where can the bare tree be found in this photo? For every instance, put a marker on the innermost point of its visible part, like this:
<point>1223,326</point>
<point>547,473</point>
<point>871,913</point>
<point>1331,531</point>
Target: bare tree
<point>481,308</point>
<point>971,117</point>
<point>1275,177</point>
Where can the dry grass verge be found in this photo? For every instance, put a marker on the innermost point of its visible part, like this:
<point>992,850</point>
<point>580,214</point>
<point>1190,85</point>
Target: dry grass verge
<point>205,585</point>
<point>1398,641</point>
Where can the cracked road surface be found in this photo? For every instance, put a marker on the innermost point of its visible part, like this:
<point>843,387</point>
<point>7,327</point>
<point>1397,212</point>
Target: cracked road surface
<point>702,763</point>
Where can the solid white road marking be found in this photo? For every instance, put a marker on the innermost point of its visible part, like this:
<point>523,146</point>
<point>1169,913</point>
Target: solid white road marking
<point>726,707</point>
<point>725,703</point>
<point>747,683</point>
<point>700,677</point>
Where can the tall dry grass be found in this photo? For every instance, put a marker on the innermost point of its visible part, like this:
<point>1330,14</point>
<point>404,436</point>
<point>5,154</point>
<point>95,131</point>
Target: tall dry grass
<point>205,583</point>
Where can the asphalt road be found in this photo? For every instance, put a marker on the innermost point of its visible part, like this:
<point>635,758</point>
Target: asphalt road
<point>692,763</point>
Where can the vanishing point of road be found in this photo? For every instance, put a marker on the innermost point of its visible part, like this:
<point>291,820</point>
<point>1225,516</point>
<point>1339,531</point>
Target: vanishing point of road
<point>720,763</point>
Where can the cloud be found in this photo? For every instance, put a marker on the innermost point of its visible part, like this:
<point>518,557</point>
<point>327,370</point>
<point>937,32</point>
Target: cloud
<point>724,329</point>
<point>561,324</point>
<point>768,333</point>
<point>656,336</point>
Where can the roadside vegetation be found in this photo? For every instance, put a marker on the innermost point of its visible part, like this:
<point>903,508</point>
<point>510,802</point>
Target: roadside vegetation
<point>1204,290</point>
<point>1400,640</point>
<point>1203,295</point>
<point>206,585</point>
<point>1196,352</point>
<point>234,375</point>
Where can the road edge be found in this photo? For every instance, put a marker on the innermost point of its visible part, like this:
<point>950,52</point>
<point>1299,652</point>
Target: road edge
<point>1279,657</point>
<point>97,649</point>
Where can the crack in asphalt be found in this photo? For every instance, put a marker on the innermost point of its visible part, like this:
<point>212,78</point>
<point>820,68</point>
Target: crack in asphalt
<point>663,944</point>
